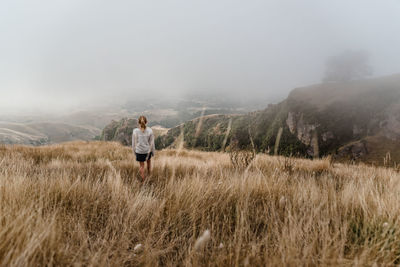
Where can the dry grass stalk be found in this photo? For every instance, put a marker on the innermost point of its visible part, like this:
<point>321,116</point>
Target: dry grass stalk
<point>277,141</point>
<point>78,204</point>
<point>199,125</point>
<point>387,160</point>
<point>228,130</point>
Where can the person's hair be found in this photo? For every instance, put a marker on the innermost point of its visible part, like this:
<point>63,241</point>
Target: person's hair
<point>142,122</point>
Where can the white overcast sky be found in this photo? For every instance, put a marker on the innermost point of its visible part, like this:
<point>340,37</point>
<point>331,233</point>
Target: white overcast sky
<point>58,52</point>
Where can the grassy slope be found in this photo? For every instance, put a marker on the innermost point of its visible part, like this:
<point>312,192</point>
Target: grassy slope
<point>80,204</point>
<point>378,148</point>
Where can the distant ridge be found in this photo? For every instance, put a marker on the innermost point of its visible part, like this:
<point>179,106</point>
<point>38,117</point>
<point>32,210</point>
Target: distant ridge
<point>43,133</point>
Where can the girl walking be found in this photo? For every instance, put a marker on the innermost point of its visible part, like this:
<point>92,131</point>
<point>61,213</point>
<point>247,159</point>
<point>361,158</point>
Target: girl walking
<point>143,145</point>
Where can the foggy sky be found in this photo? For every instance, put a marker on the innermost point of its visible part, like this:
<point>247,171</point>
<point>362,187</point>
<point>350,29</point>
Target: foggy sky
<point>54,53</point>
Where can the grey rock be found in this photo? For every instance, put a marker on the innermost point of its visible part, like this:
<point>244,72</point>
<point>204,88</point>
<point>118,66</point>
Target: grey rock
<point>297,125</point>
<point>354,151</point>
<point>327,136</point>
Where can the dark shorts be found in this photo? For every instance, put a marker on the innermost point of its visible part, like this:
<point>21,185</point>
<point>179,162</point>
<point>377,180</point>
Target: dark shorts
<point>143,157</point>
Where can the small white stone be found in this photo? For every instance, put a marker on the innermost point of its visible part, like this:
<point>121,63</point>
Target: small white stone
<point>221,245</point>
<point>385,224</point>
<point>138,248</point>
<point>282,202</point>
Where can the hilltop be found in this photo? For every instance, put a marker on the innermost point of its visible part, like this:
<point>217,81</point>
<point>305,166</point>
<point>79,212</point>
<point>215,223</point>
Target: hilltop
<point>81,204</point>
<point>356,120</point>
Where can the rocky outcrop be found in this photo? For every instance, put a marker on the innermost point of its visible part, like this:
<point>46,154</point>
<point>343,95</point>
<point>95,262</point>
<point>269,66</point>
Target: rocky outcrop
<point>327,136</point>
<point>299,127</point>
<point>354,151</point>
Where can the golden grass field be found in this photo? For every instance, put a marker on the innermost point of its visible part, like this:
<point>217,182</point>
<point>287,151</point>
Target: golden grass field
<point>81,204</point>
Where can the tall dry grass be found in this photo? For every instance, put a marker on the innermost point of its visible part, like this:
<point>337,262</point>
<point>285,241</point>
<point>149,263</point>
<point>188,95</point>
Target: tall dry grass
<point>80,204</point>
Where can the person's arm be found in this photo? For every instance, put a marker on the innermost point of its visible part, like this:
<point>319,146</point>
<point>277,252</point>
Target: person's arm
<point>133,142</point>
<point>152,145</point>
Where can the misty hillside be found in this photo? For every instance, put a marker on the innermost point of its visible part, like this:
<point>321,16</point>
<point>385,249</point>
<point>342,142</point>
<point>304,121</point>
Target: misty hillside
<point>43,133</point>
<point>356,120</point>
<point>87,123</point>
<point>169,114</point>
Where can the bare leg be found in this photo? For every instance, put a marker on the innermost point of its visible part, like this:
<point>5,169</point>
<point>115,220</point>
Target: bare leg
<point>141,170</point>
<point>149,166</point>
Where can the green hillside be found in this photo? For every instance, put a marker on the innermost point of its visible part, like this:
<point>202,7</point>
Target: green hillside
<point>344,119</point>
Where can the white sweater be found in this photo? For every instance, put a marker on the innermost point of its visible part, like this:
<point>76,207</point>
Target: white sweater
<point>143,141</point>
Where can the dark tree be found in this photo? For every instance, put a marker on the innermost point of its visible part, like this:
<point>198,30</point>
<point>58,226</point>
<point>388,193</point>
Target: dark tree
<point>347,66</point>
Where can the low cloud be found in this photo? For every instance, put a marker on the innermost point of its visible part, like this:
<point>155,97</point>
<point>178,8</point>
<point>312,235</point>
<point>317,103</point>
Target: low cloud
<point>62,53</point>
